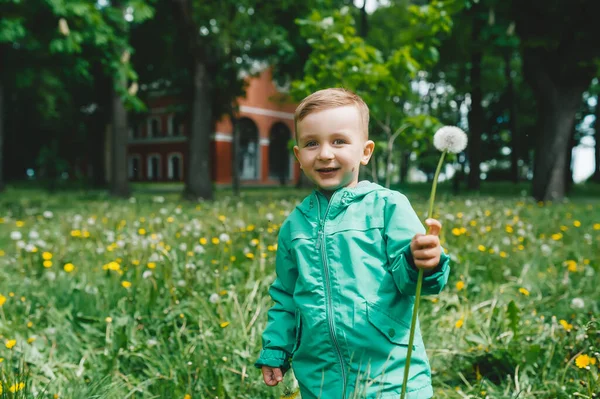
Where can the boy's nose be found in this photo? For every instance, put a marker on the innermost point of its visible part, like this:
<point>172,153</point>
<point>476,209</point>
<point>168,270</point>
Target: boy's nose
<point>325,153</point>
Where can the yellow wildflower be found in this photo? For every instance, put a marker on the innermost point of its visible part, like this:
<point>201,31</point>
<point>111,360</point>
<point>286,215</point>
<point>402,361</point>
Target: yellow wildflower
<point>481,247</point>
<point>556,236</point>
<point>250,255</point>
<point>46,256</point>
<point>222,218</point>
<point>10,343</point>
<point>126,284</point>
<point>19,223</point>
<point>567,326</point>
<point>2,253</point>
<point>224,324</point>
<point>571,265</point>
<point>459,323</point>
<point>456,231</point>
<point>108,319</point>
<point>597,226</point>
<point>142,231</point>
<point>460,285</point>
<point>2,300</point>
<point>47,263</point>
<point>583,361</point>
<point>250,227</point>
<point>151,265</point>
<point>524,291</point>
<point>203,241</point>
<point>509,229</point>
<point>187,396</point>
<point>577,223</point>
<point>215,240</point>
<point>16,387</point>
<point>69,267</point>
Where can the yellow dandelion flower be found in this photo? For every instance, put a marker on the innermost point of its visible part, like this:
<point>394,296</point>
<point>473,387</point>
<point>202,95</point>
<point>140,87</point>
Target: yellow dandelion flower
<point>571,265</point>
<point>1,360</point>
<point>69,267</point>
<point>250,227</point>
<point>170,219</point>
<point>460,285</point>
<point>509,229</point>
<point>142,231</point>
<point>108,319</point>
<point>596,226</point>
<point>47,263</point>
<point>566,325</point>
<point>135,262</point>
<point>473,223</point>
<point>2,253</point>
<point>126,284</point>
<point>223,292</point>
<point>222,218</point>
<point>459,323</point>
<point>481,247</point>
<point>520,247</point>
<point>583,361</point>
<point>459,215</point>
<point>203,241</point>
<point>151,265</point>
<point>524,291</point>
<point>29,324</point>
<point>224,324</point>
<point>187,396</point>
<point>232,258</point>
<point>250,255</point>
<point>30,340</point>
<point>16,387</point>
<point>46,255</point>
<point>2,300</point>
<point>215,240</point>
<point>456,231</point>
<point>10,343</point>
<point>503,254</point>
<point>556,236</point>
<point>576,223</point>
<point>19,223</point>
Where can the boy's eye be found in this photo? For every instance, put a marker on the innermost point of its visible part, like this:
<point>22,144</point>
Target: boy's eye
<point>339,141</point>
<point>310,144</point>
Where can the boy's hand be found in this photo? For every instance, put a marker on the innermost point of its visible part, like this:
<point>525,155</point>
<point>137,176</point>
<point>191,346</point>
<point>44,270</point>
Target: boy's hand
<point>272,375</point>
<point>426,249</point>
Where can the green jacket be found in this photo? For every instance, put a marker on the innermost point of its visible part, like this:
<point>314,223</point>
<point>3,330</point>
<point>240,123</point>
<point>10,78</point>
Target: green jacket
<point>344,296</point>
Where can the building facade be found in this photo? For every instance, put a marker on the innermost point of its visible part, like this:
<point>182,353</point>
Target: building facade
<point>158,140</point>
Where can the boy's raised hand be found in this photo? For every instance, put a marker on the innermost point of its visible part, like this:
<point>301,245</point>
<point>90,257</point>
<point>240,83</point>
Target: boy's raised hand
<point>272,375</point>
<point>426,249</point>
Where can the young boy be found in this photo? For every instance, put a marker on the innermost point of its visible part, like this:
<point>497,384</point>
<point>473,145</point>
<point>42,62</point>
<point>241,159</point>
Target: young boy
<point>346,268</point>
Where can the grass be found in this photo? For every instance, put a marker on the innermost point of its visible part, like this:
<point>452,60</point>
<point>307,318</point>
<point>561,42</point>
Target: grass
<point>153,297</point>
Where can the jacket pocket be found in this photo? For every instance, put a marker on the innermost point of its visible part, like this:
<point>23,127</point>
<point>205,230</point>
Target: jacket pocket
<point>395,331</point>
<point>298,332</point>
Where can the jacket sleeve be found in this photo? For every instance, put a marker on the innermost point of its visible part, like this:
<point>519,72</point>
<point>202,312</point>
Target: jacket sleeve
<point>401,225</point>
<point>280,332</point>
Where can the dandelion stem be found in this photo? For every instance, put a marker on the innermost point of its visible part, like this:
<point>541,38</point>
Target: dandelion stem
<point>413,323</point>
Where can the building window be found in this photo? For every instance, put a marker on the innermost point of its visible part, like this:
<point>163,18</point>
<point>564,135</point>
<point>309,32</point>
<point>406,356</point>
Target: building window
<point>279,154</point>
<point>154,167</point>
<point>175,166</point>
<point>248,159</point>
<point>134,167</point>
<point>134,130</point>
<point>153,125</point>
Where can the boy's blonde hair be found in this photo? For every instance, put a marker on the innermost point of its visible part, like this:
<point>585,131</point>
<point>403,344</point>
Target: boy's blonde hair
<point>331,98</point>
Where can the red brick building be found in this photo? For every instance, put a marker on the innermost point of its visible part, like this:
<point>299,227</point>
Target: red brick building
<point>158,141</point>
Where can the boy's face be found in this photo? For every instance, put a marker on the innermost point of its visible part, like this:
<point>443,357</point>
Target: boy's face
<point>331,146</point>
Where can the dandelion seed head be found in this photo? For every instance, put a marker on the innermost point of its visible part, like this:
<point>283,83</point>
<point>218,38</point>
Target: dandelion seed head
<point>451,139</point>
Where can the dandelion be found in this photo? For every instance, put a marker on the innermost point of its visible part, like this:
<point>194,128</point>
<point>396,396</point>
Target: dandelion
<point>46,255</point>
<point>459,323</point>
<point>222,218</point>
<point>151,265</point>
<point>481,248</point>
<point>447,139</point>
<point>187,396</point>
<point>16,235</point>
<point>69,267</point>
<point>224,324</point>
<point>596,226</point>
<point>16,387</point>
<point>571,265</point>
<point>10,343</point>
<point>524,291</point>
<point>250,255</point>
<point>203,241</point>
<point>583,361</point>
<point>460,285</point>
<point>215,240</point>
<point>577,303</point>
<point>2,300</point>
<point>566,325</point>
<point>126,284</point>
<point>214,298</point>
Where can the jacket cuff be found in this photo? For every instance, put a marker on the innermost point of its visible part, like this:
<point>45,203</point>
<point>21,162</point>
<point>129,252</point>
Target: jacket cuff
<point>273,358</point>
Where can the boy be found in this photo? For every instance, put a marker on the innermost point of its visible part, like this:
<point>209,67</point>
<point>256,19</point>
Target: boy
<point>346,268</point>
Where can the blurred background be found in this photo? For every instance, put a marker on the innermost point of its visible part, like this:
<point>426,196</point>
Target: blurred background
<point>190,96</point>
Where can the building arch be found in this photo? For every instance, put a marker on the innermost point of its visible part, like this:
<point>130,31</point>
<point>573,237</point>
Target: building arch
<point>153,127</point>
<point>249,149</point>
<point>279,155</point>
<point>153,166</point>
<point>134,166</point>
<point>175,166</point>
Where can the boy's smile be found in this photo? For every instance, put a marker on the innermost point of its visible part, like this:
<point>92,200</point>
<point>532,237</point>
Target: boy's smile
<point>332,144</point>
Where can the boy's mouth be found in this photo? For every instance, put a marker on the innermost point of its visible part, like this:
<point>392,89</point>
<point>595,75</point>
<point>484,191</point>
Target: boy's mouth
<point>326,170</point>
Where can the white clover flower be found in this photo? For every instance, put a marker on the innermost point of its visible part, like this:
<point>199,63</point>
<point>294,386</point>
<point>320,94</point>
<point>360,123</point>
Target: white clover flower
<point>224,237</point>
<point>199,249</point>
<point>269,217</point>
<point>214,298</point>
<point>48,214</point>
<point>450,138</point>
<point>16,235</point>
<point>577,303</point>
<point>21,244</point>
<point>183,247</point>
<point>147,274</point>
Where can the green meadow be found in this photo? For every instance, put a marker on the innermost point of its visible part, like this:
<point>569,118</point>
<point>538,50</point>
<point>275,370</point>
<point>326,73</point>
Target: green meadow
<point>155,297</point>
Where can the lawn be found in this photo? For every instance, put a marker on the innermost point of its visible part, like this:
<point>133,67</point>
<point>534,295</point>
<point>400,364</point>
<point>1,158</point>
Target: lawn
<point>153,297</point>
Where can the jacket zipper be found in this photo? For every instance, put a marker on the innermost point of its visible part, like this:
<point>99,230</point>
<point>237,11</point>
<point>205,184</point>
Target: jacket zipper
<point>321,246</point>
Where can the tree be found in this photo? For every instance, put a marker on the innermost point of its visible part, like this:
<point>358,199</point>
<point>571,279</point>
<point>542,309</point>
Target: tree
<point>382,78</point>
<point>560,51</point>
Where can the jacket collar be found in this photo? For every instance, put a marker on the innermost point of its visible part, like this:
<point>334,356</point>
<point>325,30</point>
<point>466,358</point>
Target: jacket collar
<point>339,200</point>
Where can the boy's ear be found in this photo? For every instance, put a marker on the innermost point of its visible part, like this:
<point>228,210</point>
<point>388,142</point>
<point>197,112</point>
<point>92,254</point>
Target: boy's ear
<point>367,152</point>
<point>296,150</point>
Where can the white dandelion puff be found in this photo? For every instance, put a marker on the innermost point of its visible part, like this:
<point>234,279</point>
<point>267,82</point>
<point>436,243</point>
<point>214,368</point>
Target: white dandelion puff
<point>450,138</point>
<point>577,303</point>
<point>214,298</point>
<point>16,235</point>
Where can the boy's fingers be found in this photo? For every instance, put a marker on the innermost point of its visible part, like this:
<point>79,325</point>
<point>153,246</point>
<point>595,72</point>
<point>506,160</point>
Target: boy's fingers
<point>268,376</point>
<point>277,374</point>
<point>434,226</point>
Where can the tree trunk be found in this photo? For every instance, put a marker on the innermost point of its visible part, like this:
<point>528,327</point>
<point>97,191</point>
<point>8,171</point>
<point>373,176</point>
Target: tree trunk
<point>596,175</point>
<point>364,21</point>
<point>198,182</point>
<point>476,113</point>
<point>512,118</point>
<point>235,156</point>
<point>569,160</point>
<point>558,99</point>
<point>119,184</point>
<point>1,134</point>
